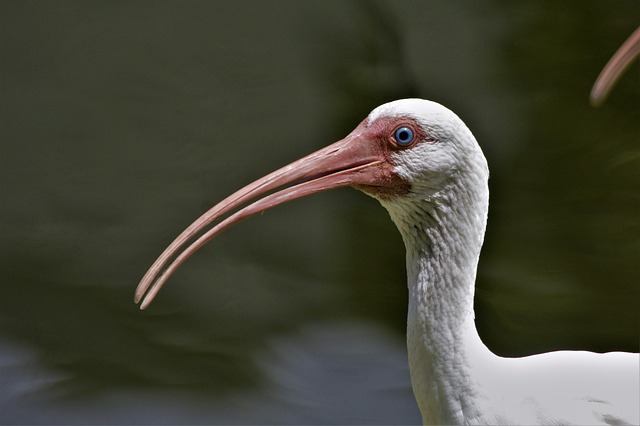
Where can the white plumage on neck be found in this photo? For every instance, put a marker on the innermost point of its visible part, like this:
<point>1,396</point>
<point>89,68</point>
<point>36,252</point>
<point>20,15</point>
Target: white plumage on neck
<point>455,378</point>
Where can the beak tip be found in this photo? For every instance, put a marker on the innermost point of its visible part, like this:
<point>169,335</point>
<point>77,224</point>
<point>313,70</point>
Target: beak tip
<point>596,97</point>
<point>145,303</point>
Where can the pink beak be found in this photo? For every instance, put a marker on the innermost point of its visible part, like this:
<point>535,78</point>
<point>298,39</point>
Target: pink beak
<point>624,56</point>
<point>354,160</point>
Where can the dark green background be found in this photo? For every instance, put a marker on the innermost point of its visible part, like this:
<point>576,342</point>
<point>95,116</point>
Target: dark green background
<point>124,121</point>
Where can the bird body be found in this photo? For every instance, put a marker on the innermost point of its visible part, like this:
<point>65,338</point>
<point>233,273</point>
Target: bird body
<point>426,168</point>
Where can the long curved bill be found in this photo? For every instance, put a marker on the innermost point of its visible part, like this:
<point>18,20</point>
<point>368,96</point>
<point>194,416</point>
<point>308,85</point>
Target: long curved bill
<point>619,62</point>
<point>354,160</point>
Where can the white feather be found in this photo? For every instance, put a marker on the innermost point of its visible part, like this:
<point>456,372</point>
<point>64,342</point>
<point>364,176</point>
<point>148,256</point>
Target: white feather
<point>456,379</point>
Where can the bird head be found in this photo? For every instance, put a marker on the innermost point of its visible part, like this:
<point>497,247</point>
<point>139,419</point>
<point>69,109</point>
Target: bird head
<point>429,148</point>
<point>405,151</point>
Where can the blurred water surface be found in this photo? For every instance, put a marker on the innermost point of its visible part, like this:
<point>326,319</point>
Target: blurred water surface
<point>124,121</point>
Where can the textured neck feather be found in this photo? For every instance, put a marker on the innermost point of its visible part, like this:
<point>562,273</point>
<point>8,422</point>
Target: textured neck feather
<point>443,233</point>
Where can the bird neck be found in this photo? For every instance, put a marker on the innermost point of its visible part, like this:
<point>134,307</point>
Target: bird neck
<point>443,234</point>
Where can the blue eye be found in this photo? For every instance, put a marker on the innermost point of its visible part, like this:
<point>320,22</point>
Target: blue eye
<point>404,136</point>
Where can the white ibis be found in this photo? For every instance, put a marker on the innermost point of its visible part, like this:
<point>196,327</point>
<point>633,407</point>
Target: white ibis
<point>425,167</point>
